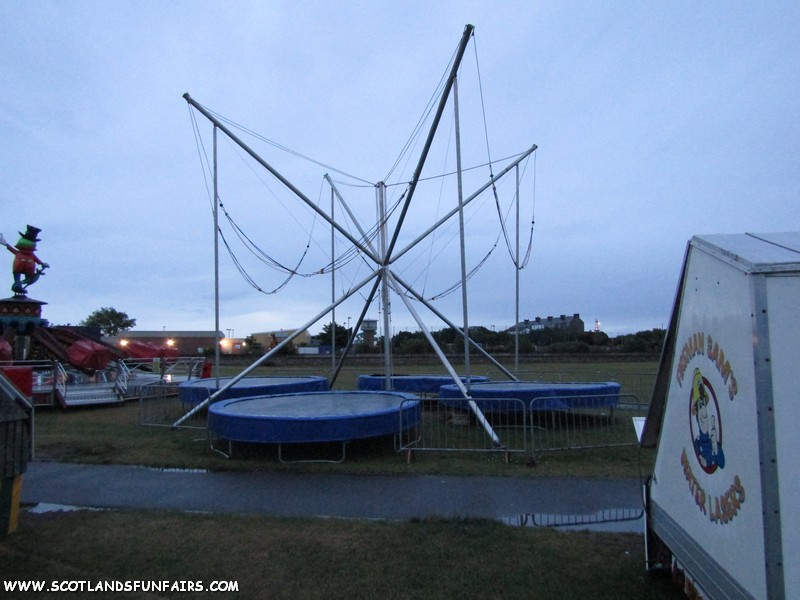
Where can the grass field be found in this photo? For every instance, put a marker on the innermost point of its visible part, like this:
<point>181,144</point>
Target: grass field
<point>312,558</point>
<point>307,558</point>
<point>111,434</point>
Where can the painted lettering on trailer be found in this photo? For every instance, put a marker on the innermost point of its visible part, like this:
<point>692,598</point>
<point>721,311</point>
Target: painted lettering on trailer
<point>696,345</point>
<point>702,355</point>
<point>720,509</point>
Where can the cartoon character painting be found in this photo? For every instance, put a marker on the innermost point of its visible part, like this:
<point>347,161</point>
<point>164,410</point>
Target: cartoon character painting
<point>708,437</point>
<point>25,260</point>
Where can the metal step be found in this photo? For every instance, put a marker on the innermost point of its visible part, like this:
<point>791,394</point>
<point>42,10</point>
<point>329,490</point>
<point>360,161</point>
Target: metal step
<point>91,393</point>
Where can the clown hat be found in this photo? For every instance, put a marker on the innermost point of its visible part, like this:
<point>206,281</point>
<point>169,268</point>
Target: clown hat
<point>31,233</point>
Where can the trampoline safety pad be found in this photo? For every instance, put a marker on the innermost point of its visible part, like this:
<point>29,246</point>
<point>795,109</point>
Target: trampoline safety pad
<point>197,390</point>
<point>538,395</point>
<point>313,417</point>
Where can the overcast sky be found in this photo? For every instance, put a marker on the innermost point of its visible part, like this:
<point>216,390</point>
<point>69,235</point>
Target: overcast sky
<point>654,121</point>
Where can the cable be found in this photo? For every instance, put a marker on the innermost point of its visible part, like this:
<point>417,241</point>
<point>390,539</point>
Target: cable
<point>424,116</point>
<point>286,149</point>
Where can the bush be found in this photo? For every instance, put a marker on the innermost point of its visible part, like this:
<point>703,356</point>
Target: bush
<point>569,348</point>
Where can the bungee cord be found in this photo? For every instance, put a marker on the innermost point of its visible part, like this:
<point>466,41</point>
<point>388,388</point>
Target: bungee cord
<point>201,155</point>
<point>429,107</point>
<point>457,286</point>
<point>529,249</point>
<point>206,168</point>
<point>514,258</point>
<point>338,261</point>
<point>283,148</point>
<point>251,246</point>
<point>245,275</point>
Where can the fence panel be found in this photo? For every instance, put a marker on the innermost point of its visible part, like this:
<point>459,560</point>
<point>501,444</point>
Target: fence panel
<point>595,520</point>
<point>451,425</point>
<point>594,422</point>
<point>160,406</point>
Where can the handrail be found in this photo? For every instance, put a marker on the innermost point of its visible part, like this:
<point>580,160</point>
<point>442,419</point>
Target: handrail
<point>27,363</point>
<point>123,373</point>
<point>164,366</point>
<point>60,380</point>
<point>189,362</point>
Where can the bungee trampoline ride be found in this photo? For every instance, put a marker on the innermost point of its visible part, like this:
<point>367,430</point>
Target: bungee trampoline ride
<point>383,404</point>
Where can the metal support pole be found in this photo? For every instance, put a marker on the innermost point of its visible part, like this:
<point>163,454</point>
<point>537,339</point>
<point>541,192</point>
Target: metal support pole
<point>280,177</point>
<point>274,351</point>
<point>216,262</point>
<point>462,244</point>
<point>462,46</point>
<point>385,302</point>
<point>516,274</point>
<point>352,339</point>
<point>487,427</point>
<point>333,284</point>
<point>452,325</point>
<point>467,200</point>
<point>366,239</point>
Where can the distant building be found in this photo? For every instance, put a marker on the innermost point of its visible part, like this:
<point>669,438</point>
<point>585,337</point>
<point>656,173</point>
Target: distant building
<point>233,346</point>
<point>193,343</point>
<point>572,325</point>
<point>270,339</point>
<point>188,343</point>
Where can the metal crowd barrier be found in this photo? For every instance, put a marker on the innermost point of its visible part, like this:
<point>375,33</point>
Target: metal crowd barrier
<point>451,426</point>
<point>545,424</point>
<point>160,406</point>
<point>605,516</point>
<point>601,421</point>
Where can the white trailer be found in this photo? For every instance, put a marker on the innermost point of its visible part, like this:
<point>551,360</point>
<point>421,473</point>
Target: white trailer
<point>723,501</point>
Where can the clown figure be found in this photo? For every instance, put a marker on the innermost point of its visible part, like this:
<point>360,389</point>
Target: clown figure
<point>25,260</point>
<point>706,444</point>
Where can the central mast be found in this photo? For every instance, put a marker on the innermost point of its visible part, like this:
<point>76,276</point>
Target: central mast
<point>380,193</point>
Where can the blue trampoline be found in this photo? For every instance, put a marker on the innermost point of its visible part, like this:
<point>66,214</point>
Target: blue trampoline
<point>197,390</point>
<point>414,384</point>
<point>313,417</point>
<point>535,395</point>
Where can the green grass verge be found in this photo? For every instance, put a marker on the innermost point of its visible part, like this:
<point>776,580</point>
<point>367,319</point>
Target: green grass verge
<point>303,558</point>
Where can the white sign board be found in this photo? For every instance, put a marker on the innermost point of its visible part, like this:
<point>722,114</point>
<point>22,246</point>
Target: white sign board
<point>729,408</point>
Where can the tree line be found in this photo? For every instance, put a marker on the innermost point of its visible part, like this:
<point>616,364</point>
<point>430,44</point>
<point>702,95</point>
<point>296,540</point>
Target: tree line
<point>554,341</point>
<point>548,340</point>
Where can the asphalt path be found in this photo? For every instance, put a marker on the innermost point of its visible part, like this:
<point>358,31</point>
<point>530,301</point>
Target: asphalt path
<point>510,499</point>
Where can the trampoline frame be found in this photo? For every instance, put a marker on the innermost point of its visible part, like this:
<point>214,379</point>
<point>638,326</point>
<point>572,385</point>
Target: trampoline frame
<point>198,391</point>
<point>372,422</point>
<point>424,385</point>
<point>541,395</point>
<point>229,453</point>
